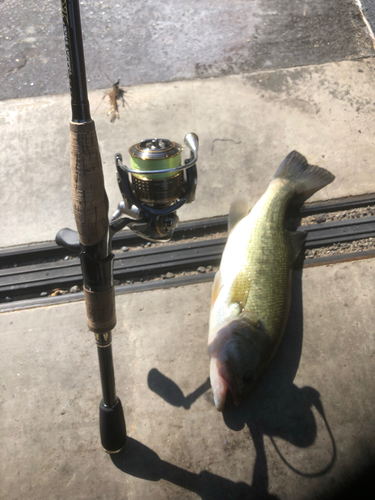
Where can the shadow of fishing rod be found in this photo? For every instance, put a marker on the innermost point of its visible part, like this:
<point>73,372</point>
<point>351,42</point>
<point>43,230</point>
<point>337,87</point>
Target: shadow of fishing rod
<point>139,461</point>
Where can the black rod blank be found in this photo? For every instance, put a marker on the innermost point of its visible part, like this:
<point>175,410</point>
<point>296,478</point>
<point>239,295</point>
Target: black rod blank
<point>75,60</point>
<point>107,375</point>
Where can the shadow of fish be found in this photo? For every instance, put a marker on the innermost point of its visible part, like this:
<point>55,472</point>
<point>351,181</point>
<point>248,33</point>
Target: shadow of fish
<point>170,391</point>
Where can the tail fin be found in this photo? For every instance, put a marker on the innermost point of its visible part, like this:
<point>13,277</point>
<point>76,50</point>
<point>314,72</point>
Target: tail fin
<point>304,178</point>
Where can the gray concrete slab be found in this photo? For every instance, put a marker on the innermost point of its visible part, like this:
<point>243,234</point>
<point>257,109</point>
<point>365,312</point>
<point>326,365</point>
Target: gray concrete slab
<point>149,41</point>
<point>246,123</point>
<point>315,406</point>
<point>367,8</point>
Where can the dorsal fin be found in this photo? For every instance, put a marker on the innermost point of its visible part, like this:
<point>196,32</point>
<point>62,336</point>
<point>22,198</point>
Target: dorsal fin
<point>297,240</point>
<point>238,210</point>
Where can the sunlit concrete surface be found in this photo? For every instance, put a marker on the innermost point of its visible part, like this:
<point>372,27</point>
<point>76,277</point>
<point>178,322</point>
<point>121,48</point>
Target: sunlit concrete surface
<point>307,428</point>
<point>246,124</point>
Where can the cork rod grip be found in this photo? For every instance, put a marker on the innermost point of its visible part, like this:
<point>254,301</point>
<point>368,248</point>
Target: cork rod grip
<point>88,193</point>
<point>100,309</point>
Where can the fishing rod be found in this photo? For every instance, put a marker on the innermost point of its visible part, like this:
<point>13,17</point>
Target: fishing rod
<point>153,188</point>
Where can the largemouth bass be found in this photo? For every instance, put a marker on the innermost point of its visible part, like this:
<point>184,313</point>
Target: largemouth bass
<point>252,289</point>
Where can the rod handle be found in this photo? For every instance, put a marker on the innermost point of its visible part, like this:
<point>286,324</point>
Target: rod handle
<point>100,310</point>
<point>89,197</point>
<point>112,427</point>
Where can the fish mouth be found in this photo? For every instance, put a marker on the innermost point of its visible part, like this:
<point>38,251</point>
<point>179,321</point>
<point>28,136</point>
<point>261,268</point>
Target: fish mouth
<point>224,374</point>
<point>239,390</point>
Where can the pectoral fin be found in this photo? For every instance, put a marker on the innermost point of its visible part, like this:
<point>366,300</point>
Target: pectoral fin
<point>216,287</point>
<point>297,240</point>
<point>238,210</point>
<point>240,288</point>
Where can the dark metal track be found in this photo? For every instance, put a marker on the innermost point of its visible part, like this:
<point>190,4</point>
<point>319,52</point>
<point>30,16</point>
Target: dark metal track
<point>41,251</point>
<point>38,270</point>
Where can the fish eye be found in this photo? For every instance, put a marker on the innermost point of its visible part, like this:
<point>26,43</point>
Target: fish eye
<point>248,377</point>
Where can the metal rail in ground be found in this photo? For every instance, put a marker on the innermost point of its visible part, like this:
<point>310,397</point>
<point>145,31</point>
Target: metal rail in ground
<point>37,269</point>
<point>41,251</point>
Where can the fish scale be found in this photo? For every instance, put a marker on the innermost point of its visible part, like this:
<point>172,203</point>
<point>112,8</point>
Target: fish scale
<point>267,257</point>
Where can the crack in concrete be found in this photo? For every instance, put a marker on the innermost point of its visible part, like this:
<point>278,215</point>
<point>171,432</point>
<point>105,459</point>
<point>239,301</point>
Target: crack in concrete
<point>223,140</point>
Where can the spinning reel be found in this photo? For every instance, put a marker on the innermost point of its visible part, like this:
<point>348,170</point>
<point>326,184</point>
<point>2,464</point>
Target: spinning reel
<point>155,187</point>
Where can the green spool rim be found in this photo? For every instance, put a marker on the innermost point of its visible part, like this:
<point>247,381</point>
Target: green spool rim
<point>155,154</point>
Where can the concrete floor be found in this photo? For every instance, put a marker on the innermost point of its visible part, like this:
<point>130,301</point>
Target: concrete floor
<point>315,405</point>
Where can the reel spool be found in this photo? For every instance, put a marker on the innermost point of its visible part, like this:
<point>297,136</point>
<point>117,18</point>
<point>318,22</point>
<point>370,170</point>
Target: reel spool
<point>155,186</point>
<point>156,154</point>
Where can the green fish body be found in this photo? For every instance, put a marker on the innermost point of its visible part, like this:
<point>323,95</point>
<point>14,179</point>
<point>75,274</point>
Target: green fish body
<point>252,290</point>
